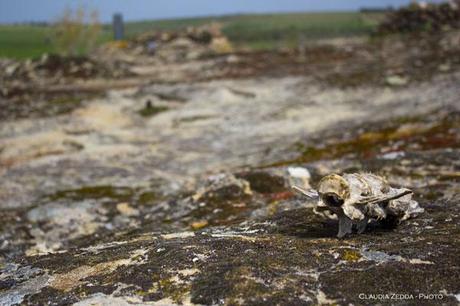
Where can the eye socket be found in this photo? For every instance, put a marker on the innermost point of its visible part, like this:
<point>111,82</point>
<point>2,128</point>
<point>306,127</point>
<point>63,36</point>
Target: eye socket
<point>332,199</point>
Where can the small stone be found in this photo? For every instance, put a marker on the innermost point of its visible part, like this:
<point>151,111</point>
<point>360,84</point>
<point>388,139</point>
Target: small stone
<point>199,224</point>
<point>393,155</point>
<point>10,70</point>
<point>444,67</point>
<point>232,59</point>
<point>127,210</point>
<point>395,80</point>
<point>299,176</point>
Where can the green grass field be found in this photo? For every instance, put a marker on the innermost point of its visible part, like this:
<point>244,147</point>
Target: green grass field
<point>252,31</point>
<point>23,41</point>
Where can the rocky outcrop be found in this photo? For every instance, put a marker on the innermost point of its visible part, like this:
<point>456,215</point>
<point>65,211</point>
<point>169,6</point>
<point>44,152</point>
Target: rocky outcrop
<point>105,204</point>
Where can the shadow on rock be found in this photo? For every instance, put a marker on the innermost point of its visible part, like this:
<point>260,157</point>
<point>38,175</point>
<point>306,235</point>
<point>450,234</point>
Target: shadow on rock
<point>303,223</point>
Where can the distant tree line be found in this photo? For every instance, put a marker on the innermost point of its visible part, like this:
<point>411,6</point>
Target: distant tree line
<point>376,9</point>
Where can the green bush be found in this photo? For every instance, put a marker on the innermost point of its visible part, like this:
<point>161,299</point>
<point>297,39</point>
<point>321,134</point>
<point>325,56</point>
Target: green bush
<point>76,32</point>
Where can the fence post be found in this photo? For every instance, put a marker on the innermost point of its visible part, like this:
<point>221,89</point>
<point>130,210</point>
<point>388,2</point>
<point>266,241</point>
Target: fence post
<point>118,27</point>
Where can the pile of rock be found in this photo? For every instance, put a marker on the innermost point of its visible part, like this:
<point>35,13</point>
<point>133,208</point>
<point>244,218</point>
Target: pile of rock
<point>56,67</point>
<point>422,17</point>
<point>190,43</point>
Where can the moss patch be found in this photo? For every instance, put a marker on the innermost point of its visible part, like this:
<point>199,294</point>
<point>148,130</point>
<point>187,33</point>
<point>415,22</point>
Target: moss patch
<point>351,255</point>
<point>404,134</point>
<point>151,110</point>
<point>94,192</point>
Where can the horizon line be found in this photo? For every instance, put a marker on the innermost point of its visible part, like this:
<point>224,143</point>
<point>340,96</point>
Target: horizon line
<point>204,16</point>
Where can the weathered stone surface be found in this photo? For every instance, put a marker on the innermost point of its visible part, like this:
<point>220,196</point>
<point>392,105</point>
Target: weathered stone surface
<point>193,204</point>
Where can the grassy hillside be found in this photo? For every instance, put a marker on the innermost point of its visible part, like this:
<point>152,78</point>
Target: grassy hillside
<point>287,29</point>
<point>23,41</point>
<point>253,31</point>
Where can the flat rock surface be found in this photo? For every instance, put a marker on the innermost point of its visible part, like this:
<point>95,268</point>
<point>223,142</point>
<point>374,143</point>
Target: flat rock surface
<point>180,193</point>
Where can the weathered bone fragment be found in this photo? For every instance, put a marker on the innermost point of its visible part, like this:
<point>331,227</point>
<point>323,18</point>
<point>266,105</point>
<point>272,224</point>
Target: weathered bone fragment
<point>355,199</point>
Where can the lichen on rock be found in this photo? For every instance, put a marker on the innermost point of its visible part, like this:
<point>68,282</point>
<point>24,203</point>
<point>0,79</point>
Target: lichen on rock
<point>193,205</point>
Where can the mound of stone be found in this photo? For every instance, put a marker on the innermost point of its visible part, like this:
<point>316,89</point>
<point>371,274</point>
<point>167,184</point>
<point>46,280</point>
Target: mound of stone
<point>422,17</point>
<point>54,66</point>
<point>184,44</point>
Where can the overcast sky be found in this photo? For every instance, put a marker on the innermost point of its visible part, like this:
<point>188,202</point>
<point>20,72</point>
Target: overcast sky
<point>47,10</point>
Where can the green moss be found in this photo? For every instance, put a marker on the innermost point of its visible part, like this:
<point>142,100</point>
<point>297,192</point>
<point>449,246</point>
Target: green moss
<point>64,104</point>
<point>274,268</point>
<point>367,75</point>
<point>195,118</point>
<point>147,198</point>
<point>33,103</point>
<point>65,100</point>
<point>432,194</point>
<point>173,290</point>
<point>94,192</point>
<point>351,255</point>
<point>443,134</point>
<point>151,110</point>
<point>225,205</point>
